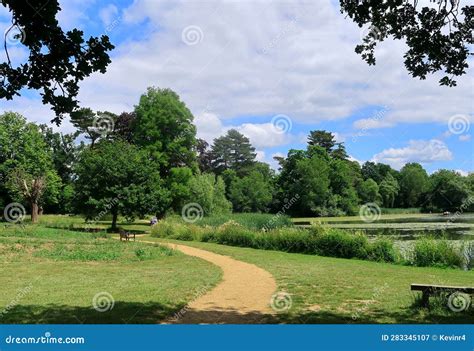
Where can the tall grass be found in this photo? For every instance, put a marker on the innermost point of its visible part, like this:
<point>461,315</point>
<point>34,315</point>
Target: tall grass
<point>430,252</point>
<point>317,241</point>
<point>256,221</point>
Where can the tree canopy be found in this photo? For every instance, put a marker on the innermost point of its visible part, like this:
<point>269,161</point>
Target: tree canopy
<point>57,62</point>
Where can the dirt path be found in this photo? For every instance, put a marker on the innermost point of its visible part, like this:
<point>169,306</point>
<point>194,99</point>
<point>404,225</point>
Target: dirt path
<point>243,295</point>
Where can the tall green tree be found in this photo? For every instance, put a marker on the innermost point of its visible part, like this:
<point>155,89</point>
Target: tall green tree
<point>413,182</point>
<point>118,178</point>
<point>26,163</point>
<point>232,151</point>
<point>251,193</point>
<point>163,127</point>
<point>369,191</point>
<point>448,190</point>
<point>389,189</point>
<point>208,191</point>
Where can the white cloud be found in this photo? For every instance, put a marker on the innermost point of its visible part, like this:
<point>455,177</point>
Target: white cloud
<point>465,137</point>
<point>371,123</point>
<point>422,151</point>
<point>209,126</point>
<point>462,172</point>
<point>108,14</point>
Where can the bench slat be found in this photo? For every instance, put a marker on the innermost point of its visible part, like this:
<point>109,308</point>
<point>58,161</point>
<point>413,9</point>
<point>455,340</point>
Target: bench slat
<point>423,287</point>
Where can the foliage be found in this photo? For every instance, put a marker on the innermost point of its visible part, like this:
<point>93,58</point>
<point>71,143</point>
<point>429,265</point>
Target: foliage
<point>208,191</point>
<point>438,36</point>
<point>429,252</point>
<point>413,182</point>
<point>232,151</point>
<point>317,241</point>
<point>26,163</point>
<point>258,221</point>
<point>163,127</point>
<point>57,60</point>
<point>251,193</point>
<point>118,178</point>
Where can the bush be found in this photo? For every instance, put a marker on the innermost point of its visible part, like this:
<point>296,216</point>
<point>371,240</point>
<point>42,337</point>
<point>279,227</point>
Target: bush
<point>439,253</point>
<point>338,243</point>
<point>383,250</point>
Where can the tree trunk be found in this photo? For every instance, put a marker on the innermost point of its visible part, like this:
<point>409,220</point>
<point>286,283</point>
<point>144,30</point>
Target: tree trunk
<point>34,212</point>
<point>114,220</point>
<point>40,211</point>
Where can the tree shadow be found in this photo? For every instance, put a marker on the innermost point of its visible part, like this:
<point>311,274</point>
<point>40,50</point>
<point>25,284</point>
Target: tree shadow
<point>153,313</point>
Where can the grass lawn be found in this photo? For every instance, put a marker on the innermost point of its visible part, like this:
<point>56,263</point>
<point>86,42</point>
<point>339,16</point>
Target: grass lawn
<point>333,290</point>
<point>52,276</point>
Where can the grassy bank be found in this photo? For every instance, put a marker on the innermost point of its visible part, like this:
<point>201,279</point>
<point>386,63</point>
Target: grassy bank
<point>53,275</point>
<point>334,290</point>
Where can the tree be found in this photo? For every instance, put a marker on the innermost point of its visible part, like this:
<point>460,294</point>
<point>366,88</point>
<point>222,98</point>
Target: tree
<point>123,127</point>
<point>208,191</point>
<point>312,185</point>
<point>232,151</point>
<point>118,178</point>
<point>369,191</point>
<point>413,183</point>
<point>57,61</point>
<point>322,138</point>
<point>163,127</point>
<point>26,163</point>
<point>178,185</point>
<point>342,186</point>
<point>94,125</point>
<point>389,189</point>
<point>437,36</point>
<point>203,155</point>
<point>448,190</point>
<point>251,193</point>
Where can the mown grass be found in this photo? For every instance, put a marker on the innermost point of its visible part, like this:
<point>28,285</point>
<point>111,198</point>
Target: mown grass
<point>335,290</point>
<point>52,276</point>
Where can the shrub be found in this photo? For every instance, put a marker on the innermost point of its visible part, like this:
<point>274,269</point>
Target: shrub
<point>438,253</point>
<point>338,243</point>
<point>259,221</point>
<point>383,250</point>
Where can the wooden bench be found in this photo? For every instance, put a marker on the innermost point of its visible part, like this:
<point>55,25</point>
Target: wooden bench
<point>430,289</point>
<point>126,235</point>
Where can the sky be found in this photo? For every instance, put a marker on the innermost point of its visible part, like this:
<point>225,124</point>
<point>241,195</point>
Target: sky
<point>274,70</point>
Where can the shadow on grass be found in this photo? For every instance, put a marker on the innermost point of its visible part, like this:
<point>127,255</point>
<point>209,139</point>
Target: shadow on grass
<point>121,313</point>
<point>151,313</point>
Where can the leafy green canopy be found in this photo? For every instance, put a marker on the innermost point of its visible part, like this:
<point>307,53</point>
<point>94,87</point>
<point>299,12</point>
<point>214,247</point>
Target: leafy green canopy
<point>439,37</point>
<point>118,178</point>
<point>57,61</point>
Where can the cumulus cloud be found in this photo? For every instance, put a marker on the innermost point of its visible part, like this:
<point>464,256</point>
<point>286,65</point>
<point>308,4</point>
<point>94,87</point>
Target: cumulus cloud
<point>465,137</point>
<point>422,151</point>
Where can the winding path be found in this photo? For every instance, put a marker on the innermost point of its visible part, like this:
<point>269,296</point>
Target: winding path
<point>243,295</point>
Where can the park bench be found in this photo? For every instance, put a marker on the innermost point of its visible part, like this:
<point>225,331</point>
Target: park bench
<point>429,289</point>
<point>126,235</point>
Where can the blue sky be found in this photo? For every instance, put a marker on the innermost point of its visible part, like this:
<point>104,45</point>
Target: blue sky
<point>240,64</point>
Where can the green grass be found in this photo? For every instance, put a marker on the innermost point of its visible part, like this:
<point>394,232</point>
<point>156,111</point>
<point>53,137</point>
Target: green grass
<point>52,275</point>
<point>333,290</point>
